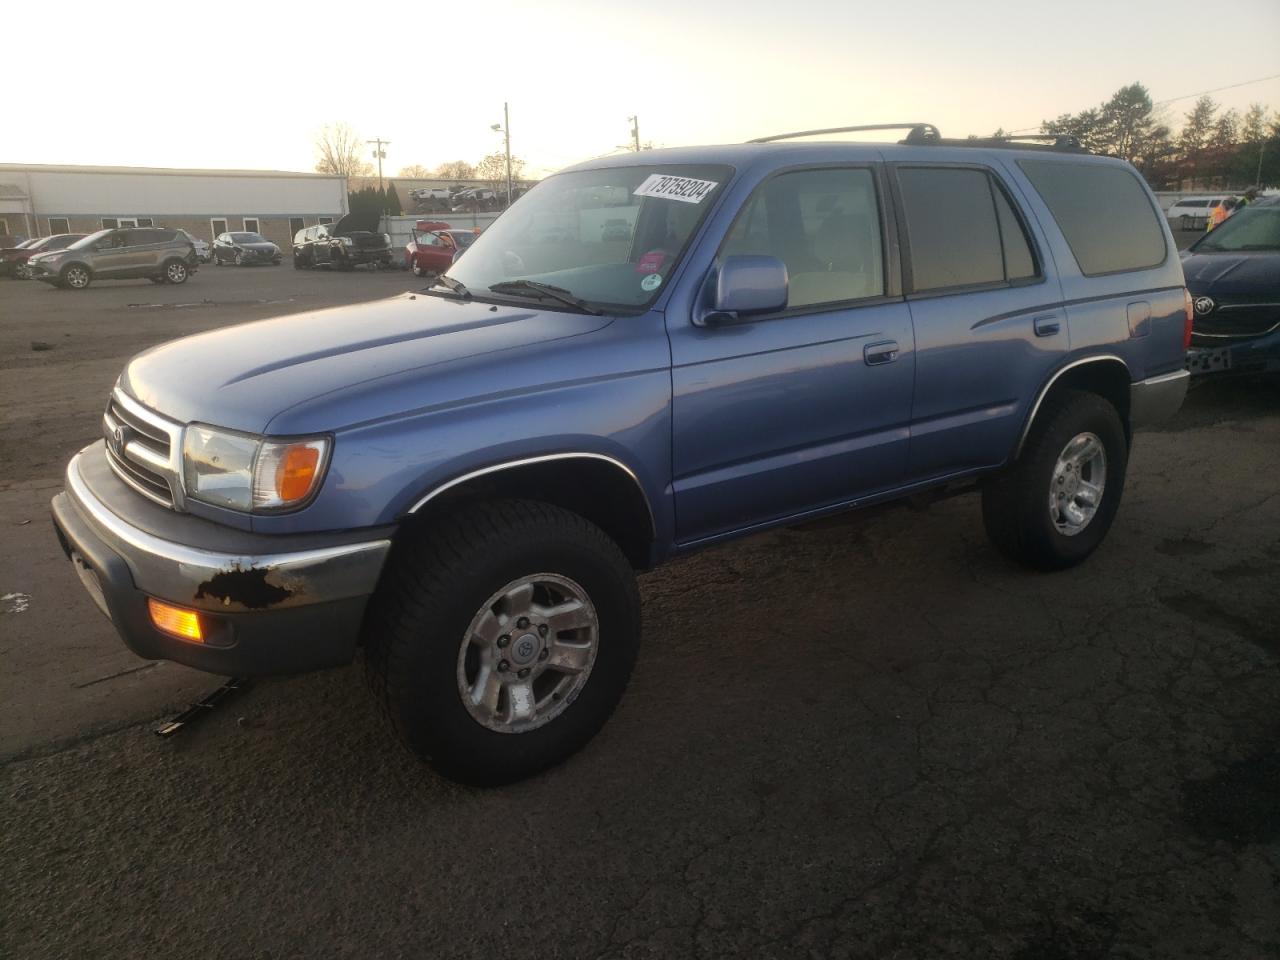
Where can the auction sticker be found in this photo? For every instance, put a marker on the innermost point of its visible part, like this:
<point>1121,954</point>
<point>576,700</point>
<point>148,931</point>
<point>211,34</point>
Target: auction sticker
<point>667,187</point>
<point>651,282</point>
<point>651,262</point>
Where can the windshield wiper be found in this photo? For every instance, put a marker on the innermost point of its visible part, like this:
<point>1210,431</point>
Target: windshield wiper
<point>544,291</point>
<point>455,286</point>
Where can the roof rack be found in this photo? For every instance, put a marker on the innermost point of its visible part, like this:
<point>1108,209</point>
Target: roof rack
<point>919,132</point>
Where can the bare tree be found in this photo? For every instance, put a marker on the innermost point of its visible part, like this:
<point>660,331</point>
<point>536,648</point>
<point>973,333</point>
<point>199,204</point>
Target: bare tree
<point>493,170</point>
<point>339,150</point>
<point>415,171</point>
<point>455,170</point>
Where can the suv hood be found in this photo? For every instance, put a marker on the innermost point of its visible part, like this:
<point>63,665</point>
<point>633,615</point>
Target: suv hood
<point>368,222</point>
<point>324,370</point>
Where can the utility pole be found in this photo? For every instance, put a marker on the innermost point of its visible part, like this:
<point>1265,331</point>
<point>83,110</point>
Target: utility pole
<point>635,132</point>
<point>381,155</point>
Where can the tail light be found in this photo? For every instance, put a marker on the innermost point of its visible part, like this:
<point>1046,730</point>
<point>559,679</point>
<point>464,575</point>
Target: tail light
<point>1191,313</point>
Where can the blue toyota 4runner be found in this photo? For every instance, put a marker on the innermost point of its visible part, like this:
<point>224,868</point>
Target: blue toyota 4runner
<point>464,481</point>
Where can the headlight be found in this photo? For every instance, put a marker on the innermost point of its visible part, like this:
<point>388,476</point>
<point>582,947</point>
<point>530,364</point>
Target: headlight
<point>347,241</point>
<point>245,472</point>
<point>386,238</point>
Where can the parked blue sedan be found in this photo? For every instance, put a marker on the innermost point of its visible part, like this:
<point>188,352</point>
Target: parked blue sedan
<point>1233,273</point>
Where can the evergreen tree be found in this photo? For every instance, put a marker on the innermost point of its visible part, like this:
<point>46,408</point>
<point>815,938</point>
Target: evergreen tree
<point>1196,132</point>
<point>393,207</point>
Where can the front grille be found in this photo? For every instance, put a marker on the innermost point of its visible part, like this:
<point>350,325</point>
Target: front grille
<point>1237,321</point>
<point>143,449</point>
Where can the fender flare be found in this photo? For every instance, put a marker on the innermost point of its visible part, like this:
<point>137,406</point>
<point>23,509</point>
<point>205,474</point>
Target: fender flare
<point>529,461</point>
<point>1044,391</point>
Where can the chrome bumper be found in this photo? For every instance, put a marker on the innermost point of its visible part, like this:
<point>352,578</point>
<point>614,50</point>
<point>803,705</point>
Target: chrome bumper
<point>229,582</point>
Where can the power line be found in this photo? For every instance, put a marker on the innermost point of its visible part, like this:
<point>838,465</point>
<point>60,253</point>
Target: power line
<point>1185,96</point>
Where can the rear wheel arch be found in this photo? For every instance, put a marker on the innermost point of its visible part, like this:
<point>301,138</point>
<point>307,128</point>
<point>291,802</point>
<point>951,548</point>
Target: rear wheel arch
<point>1107,376</point>
<point>598,488</point>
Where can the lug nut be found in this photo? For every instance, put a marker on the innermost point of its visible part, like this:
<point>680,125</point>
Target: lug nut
<point>542,654</point>
<point>504,640</point>
<point>522,622</point>
<point>524,672</point>
<point>503,666</point>
<point>542,629</point>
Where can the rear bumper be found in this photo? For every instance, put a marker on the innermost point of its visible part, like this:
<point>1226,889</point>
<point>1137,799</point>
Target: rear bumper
<point>262,612</point>
<point>1157,398</point>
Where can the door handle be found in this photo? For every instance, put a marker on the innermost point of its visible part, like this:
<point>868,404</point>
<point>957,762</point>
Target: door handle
<point>1046,326</point>
<point>883,351</point>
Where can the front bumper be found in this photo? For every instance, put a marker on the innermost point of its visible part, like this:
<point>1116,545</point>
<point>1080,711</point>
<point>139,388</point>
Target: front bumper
<point>1157,398</point>
<point>267,605</point>
<point>1259,355</point>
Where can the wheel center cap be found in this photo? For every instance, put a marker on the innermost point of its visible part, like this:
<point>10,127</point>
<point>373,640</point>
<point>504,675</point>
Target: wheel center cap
<point>524,649</point>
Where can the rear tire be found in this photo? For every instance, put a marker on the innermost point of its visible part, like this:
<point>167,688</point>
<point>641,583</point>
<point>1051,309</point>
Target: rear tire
<point>1039,511</point>
<point>421,639</point>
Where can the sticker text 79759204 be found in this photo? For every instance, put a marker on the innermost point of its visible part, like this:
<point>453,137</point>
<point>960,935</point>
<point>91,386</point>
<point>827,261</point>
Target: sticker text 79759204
<point>667,187</point>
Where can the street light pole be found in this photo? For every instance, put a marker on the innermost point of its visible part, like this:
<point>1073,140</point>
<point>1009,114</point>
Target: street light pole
<point>380,154</point>
<point>635,132</point>
<point>505,127</point>
<point>506,132</point>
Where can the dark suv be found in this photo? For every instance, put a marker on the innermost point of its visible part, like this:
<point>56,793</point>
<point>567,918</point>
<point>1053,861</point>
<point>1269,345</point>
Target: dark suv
<point>351,241</point>
<point>160,255</point>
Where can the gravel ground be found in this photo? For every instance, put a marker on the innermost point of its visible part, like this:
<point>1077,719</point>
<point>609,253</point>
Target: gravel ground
<point>870,737</point>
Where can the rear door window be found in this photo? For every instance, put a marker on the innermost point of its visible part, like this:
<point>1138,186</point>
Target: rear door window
<point>1104,213</point>
<point>952,229</point>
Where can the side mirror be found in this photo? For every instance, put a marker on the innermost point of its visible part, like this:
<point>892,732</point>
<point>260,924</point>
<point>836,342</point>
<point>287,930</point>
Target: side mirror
<point>743,286</point>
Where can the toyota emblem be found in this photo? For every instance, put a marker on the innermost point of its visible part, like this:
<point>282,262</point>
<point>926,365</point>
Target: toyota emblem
<point>1204,306</point>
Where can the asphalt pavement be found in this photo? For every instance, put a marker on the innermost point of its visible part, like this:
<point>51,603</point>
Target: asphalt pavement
<point>867,737</point>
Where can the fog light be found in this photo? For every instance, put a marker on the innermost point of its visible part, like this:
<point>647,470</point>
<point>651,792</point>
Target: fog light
<point>175,621</point>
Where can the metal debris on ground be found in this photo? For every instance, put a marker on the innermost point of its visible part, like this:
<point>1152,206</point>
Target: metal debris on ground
<point>202,707</point>
<point>15,602</point>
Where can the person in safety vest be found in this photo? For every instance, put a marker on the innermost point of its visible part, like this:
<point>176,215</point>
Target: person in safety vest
<point>1220,213</point>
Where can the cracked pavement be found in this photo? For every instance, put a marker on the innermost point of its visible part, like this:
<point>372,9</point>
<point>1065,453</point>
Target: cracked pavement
<point>870,737</point>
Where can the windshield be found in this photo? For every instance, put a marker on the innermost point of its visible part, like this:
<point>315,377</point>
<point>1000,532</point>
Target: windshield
<point>90,240</point>
<point>609,237</point>
<point>248,238</point>
<point>1253,228</point>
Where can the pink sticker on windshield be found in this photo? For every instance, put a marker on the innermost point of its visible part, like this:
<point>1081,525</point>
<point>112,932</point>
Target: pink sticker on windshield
<point>651,262</point>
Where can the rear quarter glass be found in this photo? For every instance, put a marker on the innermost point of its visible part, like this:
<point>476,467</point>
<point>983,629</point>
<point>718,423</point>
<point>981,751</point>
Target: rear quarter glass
<point>1104,213</point>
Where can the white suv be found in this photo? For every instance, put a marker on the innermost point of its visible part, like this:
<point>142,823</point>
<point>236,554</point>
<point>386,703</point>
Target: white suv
<point>1190,213</point>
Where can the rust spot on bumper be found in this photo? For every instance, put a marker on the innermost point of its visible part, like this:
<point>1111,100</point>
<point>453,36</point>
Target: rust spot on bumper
<point>249,588</point>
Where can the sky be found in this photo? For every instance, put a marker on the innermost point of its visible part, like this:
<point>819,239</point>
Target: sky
<point>248,86</point>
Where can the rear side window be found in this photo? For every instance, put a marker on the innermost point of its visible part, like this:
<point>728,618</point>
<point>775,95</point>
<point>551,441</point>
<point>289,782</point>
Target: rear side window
<point>953,231</point>
<point>1103,212</point>
<point>825,226</point>
<point>1019,263</point>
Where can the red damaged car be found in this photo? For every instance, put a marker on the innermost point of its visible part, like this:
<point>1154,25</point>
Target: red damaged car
<point>13,260</point>
<point>434,247</point>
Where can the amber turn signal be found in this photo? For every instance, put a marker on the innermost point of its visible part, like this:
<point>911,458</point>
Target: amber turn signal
<point>297,471</point>
<point>175,621</point>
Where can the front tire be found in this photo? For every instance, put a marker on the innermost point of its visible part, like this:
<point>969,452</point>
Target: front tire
<point>176,272</point>
<point>76,277</point>
<point>1054,506</point>
<point>239,260</point>
<point>500,644</point>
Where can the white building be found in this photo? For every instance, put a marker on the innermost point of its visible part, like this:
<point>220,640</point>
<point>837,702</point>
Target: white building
<point>39,200</point>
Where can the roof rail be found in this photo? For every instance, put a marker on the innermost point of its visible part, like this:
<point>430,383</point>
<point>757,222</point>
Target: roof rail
<point>919,132</point>
<point>1039,141</point>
